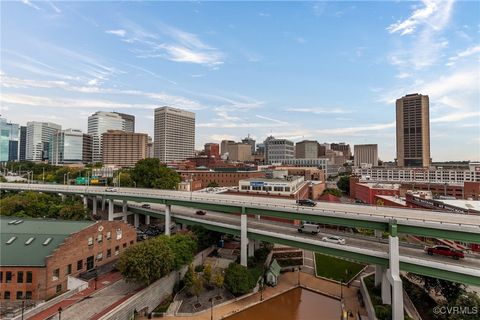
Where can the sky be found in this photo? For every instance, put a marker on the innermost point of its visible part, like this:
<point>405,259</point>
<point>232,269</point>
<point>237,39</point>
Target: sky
<point>328,71</point>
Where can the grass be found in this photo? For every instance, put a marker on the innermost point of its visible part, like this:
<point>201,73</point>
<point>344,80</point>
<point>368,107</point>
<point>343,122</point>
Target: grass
<point>334,268</point>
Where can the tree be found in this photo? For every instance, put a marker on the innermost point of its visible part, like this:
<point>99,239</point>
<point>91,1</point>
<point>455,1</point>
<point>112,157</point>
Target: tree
<point>205,238</point>
<point>469,301</point>
<point>449,290</point>
<point>344,184</point>
<point>212,184</point>
<point>332,191</point>
<point>207,273</point>
<point>125,179</point>
<point>238,279</point>
<point>149,173</point>
<point>218,279</point>
<point>380,202</point>
<point>197,286</point>
<point>184,247</point>
<point>188,278</point>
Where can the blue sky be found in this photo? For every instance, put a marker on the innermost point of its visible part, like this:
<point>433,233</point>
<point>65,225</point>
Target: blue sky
<point>329,71</point>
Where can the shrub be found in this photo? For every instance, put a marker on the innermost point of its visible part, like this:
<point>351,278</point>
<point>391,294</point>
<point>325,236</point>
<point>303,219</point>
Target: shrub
<point>238,279</point>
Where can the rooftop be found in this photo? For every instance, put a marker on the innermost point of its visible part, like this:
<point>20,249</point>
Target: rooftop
<point>464,204</point>
<point>390,186</point>
<point>26,242</point>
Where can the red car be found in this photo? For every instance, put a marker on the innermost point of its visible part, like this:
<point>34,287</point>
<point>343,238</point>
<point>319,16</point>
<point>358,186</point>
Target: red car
<point>445,251</point>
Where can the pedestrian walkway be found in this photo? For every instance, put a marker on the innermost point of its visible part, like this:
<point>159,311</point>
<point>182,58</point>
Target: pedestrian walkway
<point>102,281</point>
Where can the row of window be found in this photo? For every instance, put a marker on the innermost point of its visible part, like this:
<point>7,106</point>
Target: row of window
<point>108,236</point>
<point>20,278</point>
<point>20,295</point>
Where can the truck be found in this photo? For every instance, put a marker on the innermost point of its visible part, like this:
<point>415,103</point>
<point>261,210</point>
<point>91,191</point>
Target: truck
<point>309,228</point>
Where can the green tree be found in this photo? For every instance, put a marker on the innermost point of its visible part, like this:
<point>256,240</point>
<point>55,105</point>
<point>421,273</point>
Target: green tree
<point>332,191</point>
<point>205,238</point>
<point>149,173</point>
<point>212,184</point>
<point>125,179</point>
<point>207,273</point>
<point>344,184</point>
<point>449,290</point>
<point>188,278</point>
<point>218,279</point>
<point>238,279</point>
<point>184,247</point>
<point>468,300</point>
<point>197,286</point>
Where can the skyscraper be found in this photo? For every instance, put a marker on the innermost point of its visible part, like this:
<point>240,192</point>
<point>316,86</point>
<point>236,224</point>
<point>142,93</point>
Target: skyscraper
<point>279,149</point>
<point>129,121</point>
<point>307,149</point>
<point>9,134</point>
<point>174,134</point>
<point>38,137</point>
<point>99,123</point>
<point>123,149</point>
<point>22,147</point>
<point>66,147</point>
<point>365,154</point>
<point>413,131</point>
<point>251,142</point>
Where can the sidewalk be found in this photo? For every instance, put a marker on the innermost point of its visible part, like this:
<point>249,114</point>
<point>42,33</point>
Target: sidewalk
<point>103,281</point>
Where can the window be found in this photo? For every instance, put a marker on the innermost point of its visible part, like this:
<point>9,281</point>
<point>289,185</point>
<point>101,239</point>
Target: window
<point>117,250</point>
<point>90,241</point>
<point>59,288</point>
<point>8,277</point>
<point>99,256</point>
<point>1,276</point>
<point>55,274</point>
<point>19,295</point>
<point>119,234</point>
<point>69,269</point>
<point>20,277</point>
<point>131,242</point>
<point>6,295</point>
<point>79,265</point>
<point>109,235</point>
<point>125,245</point>
<point>29,276</point>
<point>109,253</point>
<point>100,238</point>
<point>28,295</point>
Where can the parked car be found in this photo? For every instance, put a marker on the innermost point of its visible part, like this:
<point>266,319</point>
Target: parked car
<point>445,251</point>
<point>201,212</point>
<point>334,239</point>
<point>306,202</point>
<point>141,236</point>
<point>110,189</point>
<point>146,206</point>
<point>309,228</point>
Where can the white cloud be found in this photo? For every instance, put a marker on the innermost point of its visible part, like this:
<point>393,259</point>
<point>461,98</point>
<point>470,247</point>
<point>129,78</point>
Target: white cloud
<point>463,54</point>
<point>118,32</point>
<point>403,75</point>
<point>30,4</point>
<point>319,110</point>
<point>220,137</point>
<point>457,116</point>
<point>271,119</point>
<point>419,16</point>
<point>355,130</point>
<point>54,7</point>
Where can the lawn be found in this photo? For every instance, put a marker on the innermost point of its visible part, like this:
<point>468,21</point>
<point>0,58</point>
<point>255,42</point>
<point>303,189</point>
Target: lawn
<point>334,268</point>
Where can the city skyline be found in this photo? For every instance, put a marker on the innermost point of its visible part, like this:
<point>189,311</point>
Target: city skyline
<point>331,73</point>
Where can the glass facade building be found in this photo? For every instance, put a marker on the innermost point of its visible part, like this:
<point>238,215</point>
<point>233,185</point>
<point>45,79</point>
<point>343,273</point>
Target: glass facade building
<point>9,136</point>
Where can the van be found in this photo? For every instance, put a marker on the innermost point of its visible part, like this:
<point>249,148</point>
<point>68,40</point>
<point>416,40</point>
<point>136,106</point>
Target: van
<point>309,228</point>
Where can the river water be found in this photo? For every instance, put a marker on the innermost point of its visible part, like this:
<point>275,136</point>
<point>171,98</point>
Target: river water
<point>296,304</point>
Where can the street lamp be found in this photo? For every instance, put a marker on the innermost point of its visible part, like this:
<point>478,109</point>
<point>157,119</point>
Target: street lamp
<point>23,305</point>
<point>299,268</point>
<point>211,308</point>
<point>60,313</point>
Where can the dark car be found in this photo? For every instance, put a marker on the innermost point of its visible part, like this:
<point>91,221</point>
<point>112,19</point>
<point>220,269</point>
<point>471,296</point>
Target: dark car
<point>146,206</point>
<point>445,251</point>
<point>306,202</point>
<point>201,212</point>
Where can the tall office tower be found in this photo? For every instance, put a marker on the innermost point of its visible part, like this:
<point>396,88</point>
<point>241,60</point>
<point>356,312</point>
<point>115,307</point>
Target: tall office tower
<point>224,146</point>
<point>279,149</point>
<point>22,146</point>
<point>174,134</point>
<point>307,149</point>
<point>66,147</point>
<point>123,149</point>
<point>99,123</point>
<point>251,142</point>
<point>239,152</point>
<point>365,154</point>
<point>129,121</point>
<point>9,135</point>
<point>212,150</point>
<point>413,131</point>
<point>265,146</point>
<point>343,147</point>
<point>322,150</point>
<point>38,137</point>
<point>87,148</point>
<point>150,153</point>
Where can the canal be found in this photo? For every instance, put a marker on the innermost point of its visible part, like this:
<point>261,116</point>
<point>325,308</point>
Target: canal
<point>296,304</point>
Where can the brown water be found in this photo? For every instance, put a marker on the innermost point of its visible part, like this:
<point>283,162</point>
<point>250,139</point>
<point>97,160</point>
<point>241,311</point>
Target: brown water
<point>296,304</point>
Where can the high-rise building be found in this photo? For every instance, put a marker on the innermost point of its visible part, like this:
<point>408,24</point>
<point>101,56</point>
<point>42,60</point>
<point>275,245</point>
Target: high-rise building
<point>279,149</point>
<point>99,123</point>
<point>224,146</point>
<point>265,146</point>
<point>150,153</point>
<point>250,142</point>
<point>66,147</point>
<point>307,149</point>
<point>342,147</point>
<point>174,134</point>
<point>87,148</point>
<point>22,146</point>
<point>9,136</point>
<point>123,149</point>
<point>413,131</point>
<point>365,154</point>
<point>239,152</point>
<point>38,137</point>
<point>129,121</point>
<point>212,150</point>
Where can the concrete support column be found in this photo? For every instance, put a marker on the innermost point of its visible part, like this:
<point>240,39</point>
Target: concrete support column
<point>379,271</point>
<point>85,202</point>
<point>124,210</point>
<point>243,238</point>
<point>168,219</point>
<point>251,248</point>
<point>94,210</point>
<point>147,220</point>
<point>136,220</point>
<point>62,196</point>
<point>394,278</point>
<point>110,209</point>
<point>103,203</point>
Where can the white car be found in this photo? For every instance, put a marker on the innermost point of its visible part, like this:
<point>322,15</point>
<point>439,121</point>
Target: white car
<point>110,189</point>
<point>334,239</point>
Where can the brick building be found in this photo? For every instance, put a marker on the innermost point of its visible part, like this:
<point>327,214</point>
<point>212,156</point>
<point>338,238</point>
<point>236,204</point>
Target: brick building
<point>38,255</point>
<point>222,178</point>
<point>366,192</point>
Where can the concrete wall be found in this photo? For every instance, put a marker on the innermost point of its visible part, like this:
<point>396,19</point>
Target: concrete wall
<point>150,297</point>
<point>366,298</point>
